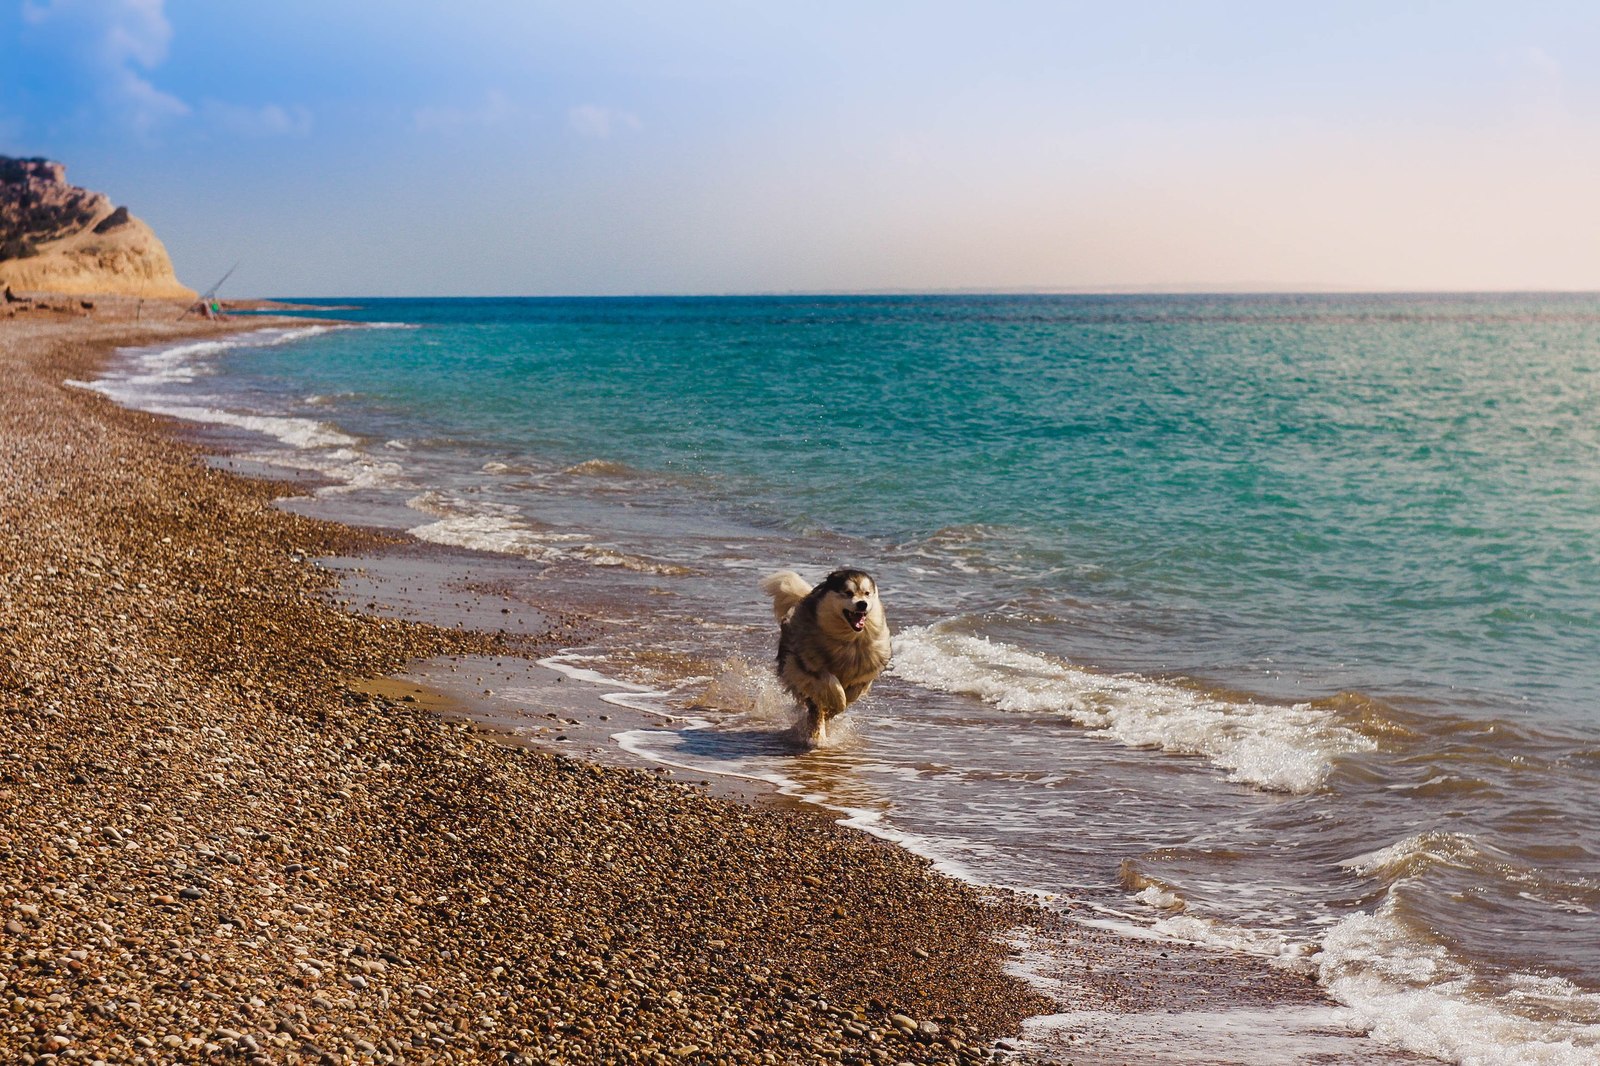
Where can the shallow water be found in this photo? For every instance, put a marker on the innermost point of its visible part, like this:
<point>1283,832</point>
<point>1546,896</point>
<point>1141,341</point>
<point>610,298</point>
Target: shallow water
<point>1262,622</point>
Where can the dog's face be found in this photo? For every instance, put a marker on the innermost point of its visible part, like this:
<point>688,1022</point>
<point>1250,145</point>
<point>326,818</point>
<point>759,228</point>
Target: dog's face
<point>850,595</point>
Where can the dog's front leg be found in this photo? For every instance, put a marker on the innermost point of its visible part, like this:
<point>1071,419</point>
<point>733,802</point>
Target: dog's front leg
<point>833,699</point>
<point>821,690</point>
<point>835,704</point>
<point>855,692</point>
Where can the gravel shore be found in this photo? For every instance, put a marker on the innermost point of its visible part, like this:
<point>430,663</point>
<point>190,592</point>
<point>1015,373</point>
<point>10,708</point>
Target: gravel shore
<point>215,846</point>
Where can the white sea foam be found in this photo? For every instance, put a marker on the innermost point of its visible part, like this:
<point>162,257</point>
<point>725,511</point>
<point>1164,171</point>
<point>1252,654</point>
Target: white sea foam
<point>159,379</point>
<point>317,447</point>
<point>347,469</point>
<point>495,466</point>
<point>1409,856</point>
<point>1413,994</point>
<point>1277,748</point>
<point>180,361</point>
<point>156,367</point>
<point>1245,1036</point>
<point>1266,1036</point>
<point>293,431</point>
<point>1289,952</point>
<point>485,526</point>
<point>597,555</point>
<point>145,372</point>
<point>624,693</point>
<point>488,533</point>
<point>1160,897</point>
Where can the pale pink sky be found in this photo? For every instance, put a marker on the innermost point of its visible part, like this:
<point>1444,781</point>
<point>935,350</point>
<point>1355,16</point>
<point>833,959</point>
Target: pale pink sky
<point>531,148</point>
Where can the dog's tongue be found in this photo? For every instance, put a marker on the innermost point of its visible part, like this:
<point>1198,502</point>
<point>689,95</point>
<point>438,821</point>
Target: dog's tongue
<point>859,620</point>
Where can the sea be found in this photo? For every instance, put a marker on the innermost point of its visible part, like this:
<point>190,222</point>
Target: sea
<point>1267,623</point>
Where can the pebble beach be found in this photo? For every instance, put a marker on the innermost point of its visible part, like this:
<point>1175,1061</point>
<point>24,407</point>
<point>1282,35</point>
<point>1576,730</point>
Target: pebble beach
<point>220,841</point>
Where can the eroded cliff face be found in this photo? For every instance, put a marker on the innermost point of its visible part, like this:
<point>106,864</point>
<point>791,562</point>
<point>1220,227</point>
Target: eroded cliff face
<point>56,237</point>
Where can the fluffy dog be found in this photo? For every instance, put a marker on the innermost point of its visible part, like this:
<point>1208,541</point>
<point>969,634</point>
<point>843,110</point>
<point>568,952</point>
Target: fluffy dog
<point>833,641</point>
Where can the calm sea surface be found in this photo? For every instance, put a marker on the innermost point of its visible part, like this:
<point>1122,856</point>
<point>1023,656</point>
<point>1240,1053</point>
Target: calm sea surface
<point>1266,622</point>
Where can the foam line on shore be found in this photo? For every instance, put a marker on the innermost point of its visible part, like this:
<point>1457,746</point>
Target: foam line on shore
<point>1240,1037</point>
<point>142,377</point>
<point>634,697</point>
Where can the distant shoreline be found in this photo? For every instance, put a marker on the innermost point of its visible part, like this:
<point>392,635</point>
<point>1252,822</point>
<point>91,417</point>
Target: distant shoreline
<point>303,302</point>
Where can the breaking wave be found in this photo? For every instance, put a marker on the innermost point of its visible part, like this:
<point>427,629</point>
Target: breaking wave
<point>1275,748</point>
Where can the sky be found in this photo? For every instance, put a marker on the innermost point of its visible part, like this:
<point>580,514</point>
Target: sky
<point>346,147</point>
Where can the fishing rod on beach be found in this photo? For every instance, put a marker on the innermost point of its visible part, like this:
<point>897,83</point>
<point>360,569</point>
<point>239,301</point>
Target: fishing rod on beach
<point>207,304</point>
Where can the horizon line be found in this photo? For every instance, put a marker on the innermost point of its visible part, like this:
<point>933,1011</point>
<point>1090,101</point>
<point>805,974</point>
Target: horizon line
<point>1126,290</point>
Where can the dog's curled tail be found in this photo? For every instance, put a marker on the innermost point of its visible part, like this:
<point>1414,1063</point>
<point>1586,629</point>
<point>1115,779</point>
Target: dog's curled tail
<point>786,588</point>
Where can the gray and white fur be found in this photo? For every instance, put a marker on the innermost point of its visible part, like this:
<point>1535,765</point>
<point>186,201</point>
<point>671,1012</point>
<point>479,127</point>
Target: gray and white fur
<point>833,641</point>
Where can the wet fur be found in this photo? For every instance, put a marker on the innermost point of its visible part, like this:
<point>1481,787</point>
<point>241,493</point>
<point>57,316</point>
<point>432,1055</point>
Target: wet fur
<point>824,662</point>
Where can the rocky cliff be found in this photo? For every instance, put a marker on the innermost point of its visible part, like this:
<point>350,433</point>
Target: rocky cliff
<point>56,237</point>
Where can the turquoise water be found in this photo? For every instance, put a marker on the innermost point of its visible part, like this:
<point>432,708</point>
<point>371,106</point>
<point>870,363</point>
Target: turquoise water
<point>1270,623</point>
<point>1397,494</point>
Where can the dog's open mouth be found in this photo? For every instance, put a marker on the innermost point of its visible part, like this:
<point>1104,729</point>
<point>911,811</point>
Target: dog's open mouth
<point>857,619</point>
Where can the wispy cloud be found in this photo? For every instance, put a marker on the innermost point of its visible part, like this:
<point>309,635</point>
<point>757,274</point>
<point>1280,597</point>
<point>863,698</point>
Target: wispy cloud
<point>495,109</point>
<point>597,122</point>
<point>268,120</point>
<point>115,43</point>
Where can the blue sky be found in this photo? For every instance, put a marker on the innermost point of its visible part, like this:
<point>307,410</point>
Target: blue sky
<point>402,148</point>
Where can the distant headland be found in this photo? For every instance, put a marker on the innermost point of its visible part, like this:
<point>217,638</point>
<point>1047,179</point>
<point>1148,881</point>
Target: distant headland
<point>58,238</point>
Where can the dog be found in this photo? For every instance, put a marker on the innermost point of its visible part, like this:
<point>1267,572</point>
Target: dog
<point>833,641</point>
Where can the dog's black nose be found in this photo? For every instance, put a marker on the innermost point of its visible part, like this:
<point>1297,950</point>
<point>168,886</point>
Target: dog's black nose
<point>861,605</point>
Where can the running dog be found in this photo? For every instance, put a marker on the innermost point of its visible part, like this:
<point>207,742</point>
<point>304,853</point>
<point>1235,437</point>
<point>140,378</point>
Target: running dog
<point>833,641</point>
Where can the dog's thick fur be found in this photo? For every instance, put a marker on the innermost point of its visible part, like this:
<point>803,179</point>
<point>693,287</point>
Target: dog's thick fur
<point>833,641</point>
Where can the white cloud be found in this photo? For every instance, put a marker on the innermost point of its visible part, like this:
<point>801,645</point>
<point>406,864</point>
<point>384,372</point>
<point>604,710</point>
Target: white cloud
<point>495,109</point>
<point>112,41</point>
<point>268,120</point>
<point>595,121</point>
<point>145,106</point>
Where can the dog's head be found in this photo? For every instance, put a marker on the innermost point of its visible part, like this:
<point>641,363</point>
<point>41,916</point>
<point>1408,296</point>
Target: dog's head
<point>850,596</point>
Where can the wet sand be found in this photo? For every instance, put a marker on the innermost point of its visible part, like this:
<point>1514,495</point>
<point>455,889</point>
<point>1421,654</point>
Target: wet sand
<point>222,834</point>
